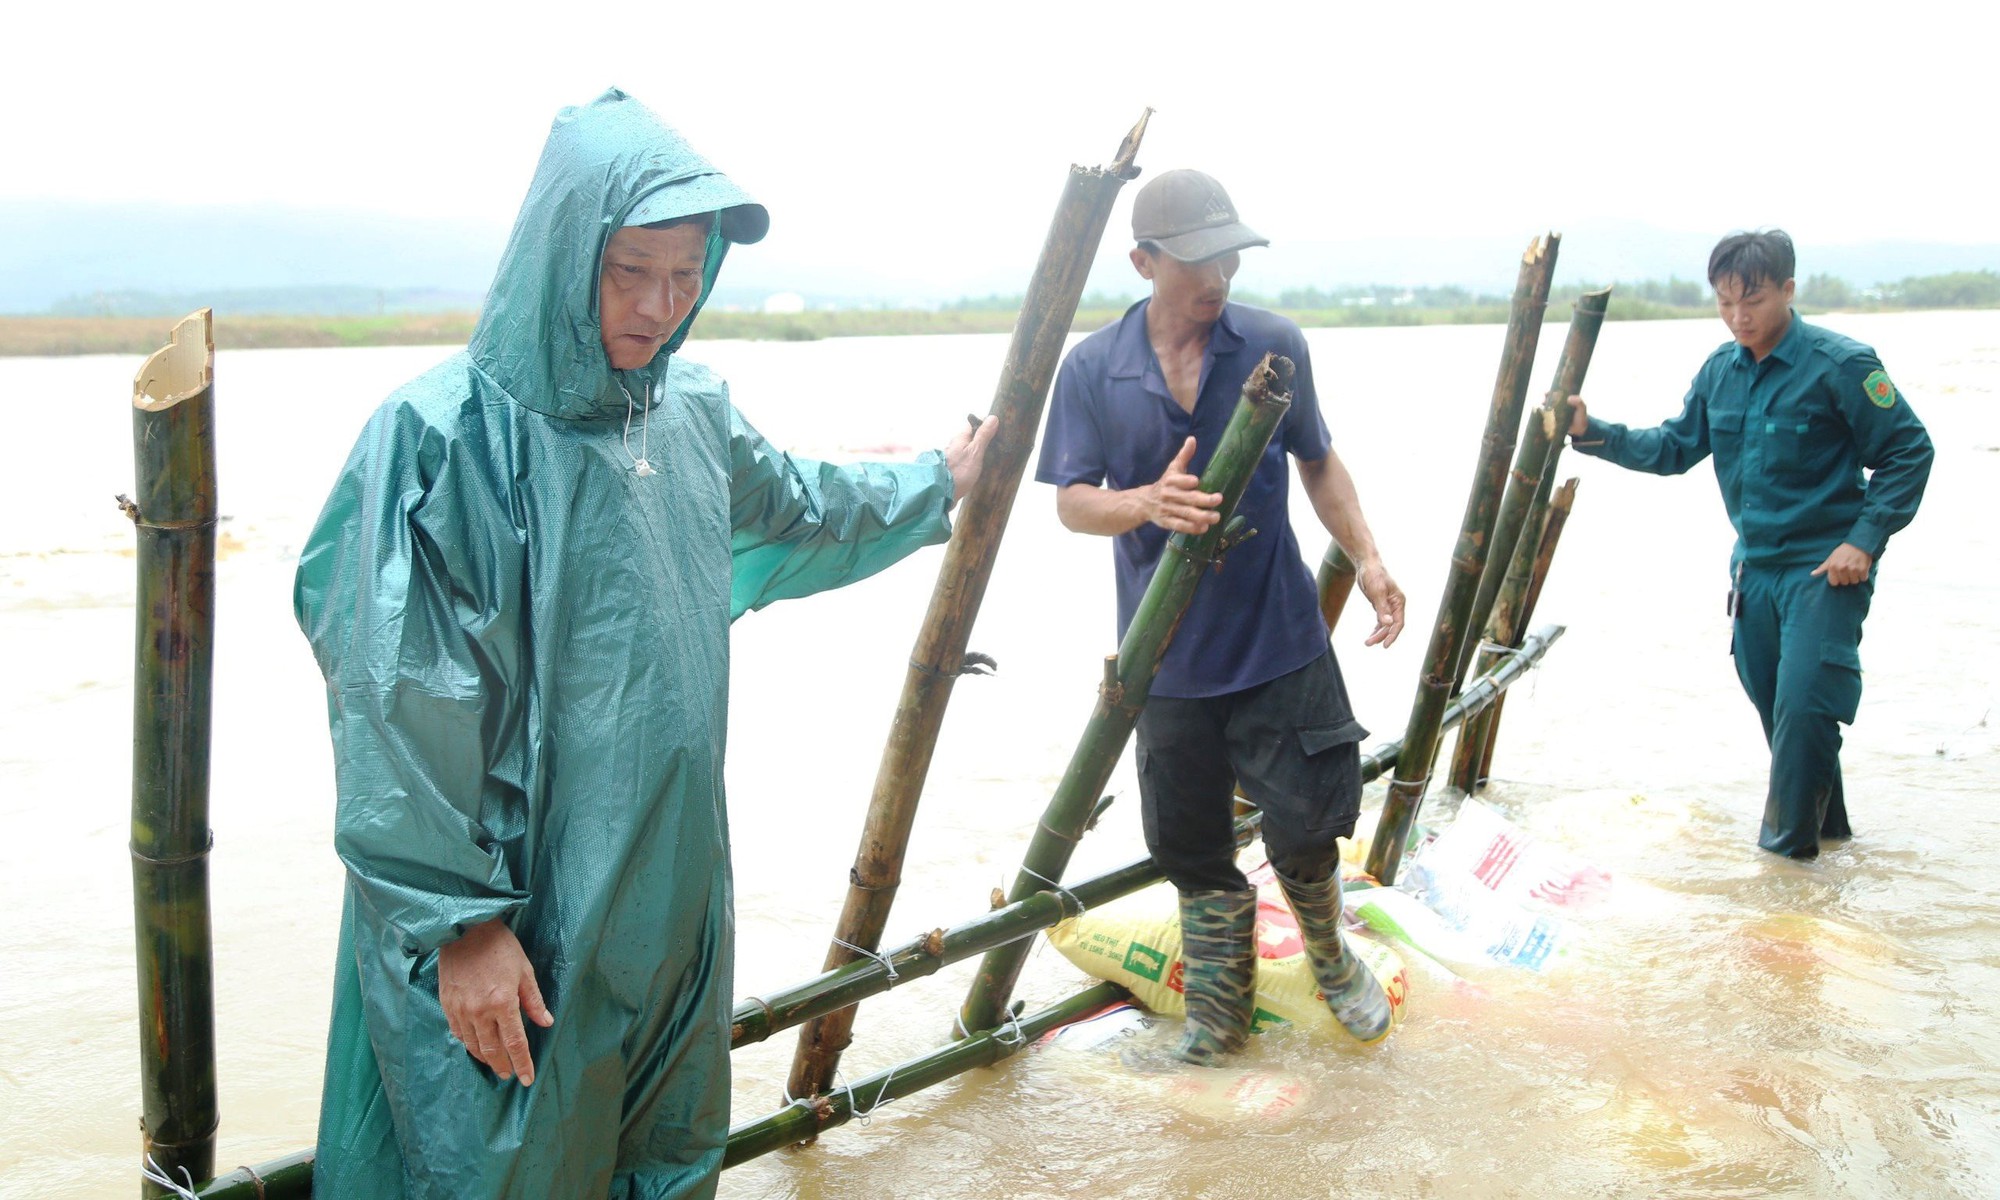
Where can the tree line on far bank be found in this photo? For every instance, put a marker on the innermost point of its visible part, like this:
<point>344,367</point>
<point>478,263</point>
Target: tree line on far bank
<point>1642,298</point>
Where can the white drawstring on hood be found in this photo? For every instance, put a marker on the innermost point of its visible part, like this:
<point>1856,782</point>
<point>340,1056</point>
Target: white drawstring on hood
<point>640,466</point>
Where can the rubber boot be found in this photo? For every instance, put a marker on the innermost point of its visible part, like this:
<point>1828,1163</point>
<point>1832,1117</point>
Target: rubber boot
<point>1218,973</point>
<point>1351,989</point>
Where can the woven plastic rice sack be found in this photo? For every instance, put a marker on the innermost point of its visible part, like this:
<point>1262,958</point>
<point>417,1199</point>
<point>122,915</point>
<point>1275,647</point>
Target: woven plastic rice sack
<point>1483,894</point>
<point>1136,942</point>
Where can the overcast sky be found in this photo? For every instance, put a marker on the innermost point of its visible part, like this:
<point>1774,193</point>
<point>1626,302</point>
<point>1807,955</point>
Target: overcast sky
<point>916,135</point>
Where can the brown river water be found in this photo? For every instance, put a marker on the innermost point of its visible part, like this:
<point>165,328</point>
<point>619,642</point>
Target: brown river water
<point>1727,1025</point>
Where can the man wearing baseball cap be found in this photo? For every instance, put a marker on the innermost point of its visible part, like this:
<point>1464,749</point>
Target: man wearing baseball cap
<point>1249,690</point>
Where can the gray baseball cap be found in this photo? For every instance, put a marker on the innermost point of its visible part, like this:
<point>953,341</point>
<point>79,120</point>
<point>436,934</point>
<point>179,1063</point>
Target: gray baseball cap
<point>1188,215</point>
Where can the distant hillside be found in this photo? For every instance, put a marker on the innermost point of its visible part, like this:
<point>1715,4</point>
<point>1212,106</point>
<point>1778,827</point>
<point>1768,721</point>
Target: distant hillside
<point>112,259</point>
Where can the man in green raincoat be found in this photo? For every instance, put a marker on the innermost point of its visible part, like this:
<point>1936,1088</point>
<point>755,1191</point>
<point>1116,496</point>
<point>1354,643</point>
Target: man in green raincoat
<point>520,594</point>
<point>1794,414</point>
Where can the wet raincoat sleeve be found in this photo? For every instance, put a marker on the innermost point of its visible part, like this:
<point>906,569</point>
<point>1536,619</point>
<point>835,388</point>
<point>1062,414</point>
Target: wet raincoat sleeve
<point>398,591</point>
<point>800,526</point>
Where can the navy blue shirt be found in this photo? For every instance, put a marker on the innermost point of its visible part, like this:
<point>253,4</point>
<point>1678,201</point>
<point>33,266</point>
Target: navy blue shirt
<point>1113,422</point>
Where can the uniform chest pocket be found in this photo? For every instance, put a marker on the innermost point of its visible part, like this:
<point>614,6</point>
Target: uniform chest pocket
<point>1725,430</point>
<point>1789,443</point>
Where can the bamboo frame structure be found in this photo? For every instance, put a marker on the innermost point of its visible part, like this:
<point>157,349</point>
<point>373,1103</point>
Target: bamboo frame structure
<point>757,1019</point>
<point>1039,334</point>
<point>1441,660</point>
<point>1523,509</point>
<point>1483,738</point>
<point>1128,675</point>
<point>1532,460</point>
<point>173,448</point>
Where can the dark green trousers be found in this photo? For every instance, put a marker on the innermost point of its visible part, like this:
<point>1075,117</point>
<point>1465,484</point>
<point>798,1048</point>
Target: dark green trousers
<point>1797,648</point>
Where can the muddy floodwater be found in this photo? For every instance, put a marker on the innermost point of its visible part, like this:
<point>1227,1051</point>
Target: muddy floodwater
<point>1727,1024</point>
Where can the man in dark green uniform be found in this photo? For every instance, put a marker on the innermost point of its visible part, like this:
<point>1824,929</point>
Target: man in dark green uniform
<point>1794,414</point>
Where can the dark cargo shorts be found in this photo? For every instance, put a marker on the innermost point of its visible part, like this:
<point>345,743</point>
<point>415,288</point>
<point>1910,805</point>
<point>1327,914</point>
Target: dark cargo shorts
<point>1294,745</point>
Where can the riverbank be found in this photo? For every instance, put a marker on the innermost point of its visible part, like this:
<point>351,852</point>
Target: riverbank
<point>61,337</point>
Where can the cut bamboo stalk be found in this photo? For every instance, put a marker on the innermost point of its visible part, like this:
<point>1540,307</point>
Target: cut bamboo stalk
<point>757,1019</point>
<point>173,448</point>
<point>1336,583</point>
<point>1448,635</point>
<point>1531,461</point>
<point>1030,365</point>
<point>1560,505</point>
<point>1128,675</point>
<point>1524,507</point>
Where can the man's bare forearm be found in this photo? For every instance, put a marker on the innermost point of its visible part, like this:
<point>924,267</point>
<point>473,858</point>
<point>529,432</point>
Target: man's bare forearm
<point>1338,506</point>
<point>1088,508</point>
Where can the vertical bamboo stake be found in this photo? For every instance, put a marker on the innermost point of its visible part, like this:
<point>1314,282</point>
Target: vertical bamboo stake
<point>1128,675</point>
<point>1532,460</point>
<point>1503,423</point>
<point>1487,734</point>
<point>1525,504</point>
<point>1336,583</point>
<point>173,447</point>
<point>1039,334</point>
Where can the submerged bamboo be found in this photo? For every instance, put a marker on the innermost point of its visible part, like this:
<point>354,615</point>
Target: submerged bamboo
<point>756,1019</point>
<point>1522,513</point>
<point>173,447</point>
<point>1128,675</point>
<point>1488,731</point>
<point>1025,375</point>
<point>806,1119</point>
<point>1434,688</point>
<point>1336,583</point>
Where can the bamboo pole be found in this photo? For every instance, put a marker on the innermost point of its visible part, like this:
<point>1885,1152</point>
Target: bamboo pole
<point>1128,675</point>
<point>1487,733</point>
<point>803,1121</point>
<point>1531,461</point>
<point>173,447</point>
<point>1336,583</point>
<point>1524,508</point>
<point>1025,375</point>
<point>756,1019</point>
<point>288,1178</point>
<point>1434,688</point>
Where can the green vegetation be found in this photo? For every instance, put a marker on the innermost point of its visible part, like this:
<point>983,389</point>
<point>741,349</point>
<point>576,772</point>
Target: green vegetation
<point>1646,300</point>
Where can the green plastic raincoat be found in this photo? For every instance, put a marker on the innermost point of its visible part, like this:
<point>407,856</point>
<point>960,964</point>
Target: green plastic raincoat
<point>526,649</point>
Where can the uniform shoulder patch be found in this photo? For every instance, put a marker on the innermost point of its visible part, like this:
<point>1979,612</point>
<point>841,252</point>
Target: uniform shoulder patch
<point>1880,391</point>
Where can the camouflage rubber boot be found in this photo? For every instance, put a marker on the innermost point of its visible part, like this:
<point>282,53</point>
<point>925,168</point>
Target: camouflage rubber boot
<point>1219,973</point>
<point>1351,989</point>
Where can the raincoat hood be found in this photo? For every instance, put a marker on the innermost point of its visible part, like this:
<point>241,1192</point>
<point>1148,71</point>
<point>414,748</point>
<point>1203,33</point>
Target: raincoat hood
<point>607,164</point>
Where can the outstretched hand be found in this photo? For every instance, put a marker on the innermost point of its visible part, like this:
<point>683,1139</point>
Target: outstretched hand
<point>1386,599</point>
<point>965,455</point>
<point>1176,503</point>
<point>485,983</point>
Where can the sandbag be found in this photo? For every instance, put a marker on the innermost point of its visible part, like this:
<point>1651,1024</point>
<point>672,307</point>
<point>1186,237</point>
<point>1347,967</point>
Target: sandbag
<point>1136,942</point>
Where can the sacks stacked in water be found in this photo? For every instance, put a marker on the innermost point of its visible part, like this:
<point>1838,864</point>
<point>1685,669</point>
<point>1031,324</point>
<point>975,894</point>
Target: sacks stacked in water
<point>1485,895</point>
<point>1136,942</point>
